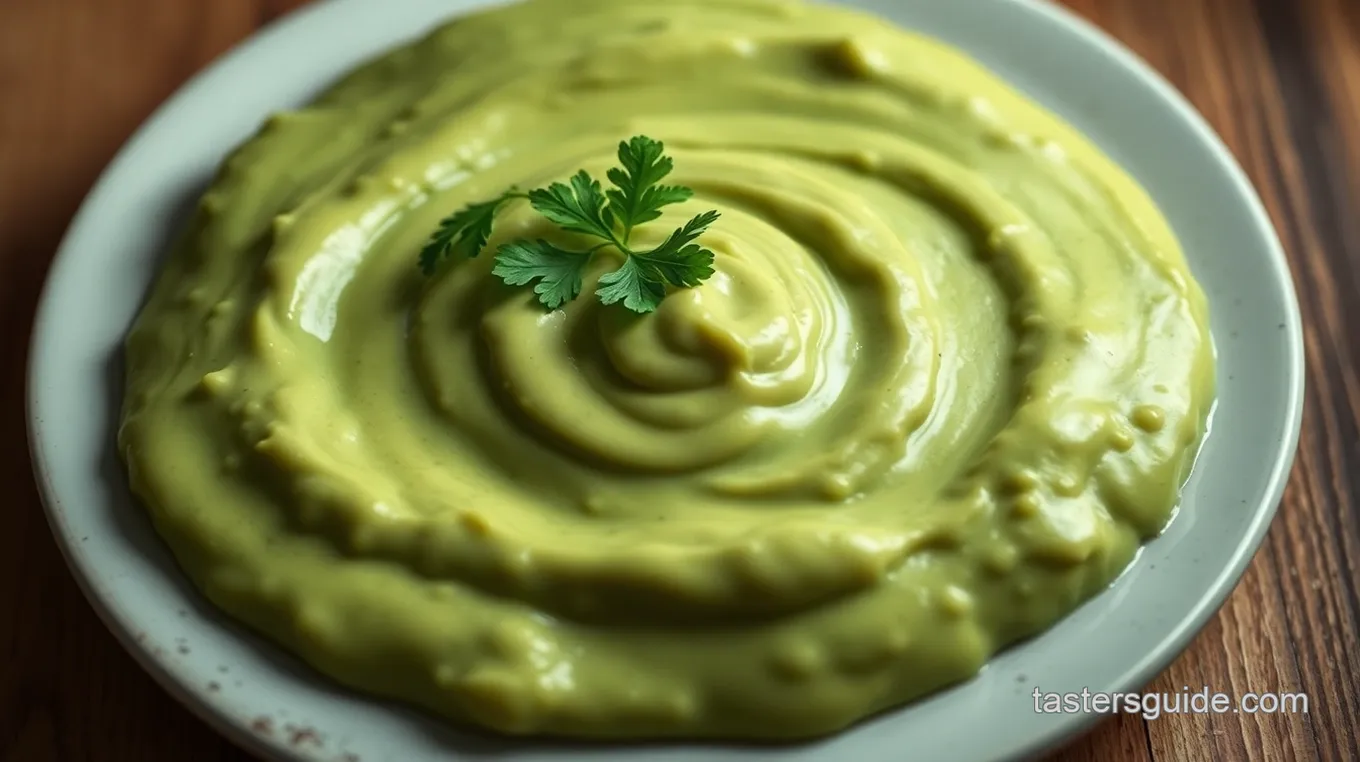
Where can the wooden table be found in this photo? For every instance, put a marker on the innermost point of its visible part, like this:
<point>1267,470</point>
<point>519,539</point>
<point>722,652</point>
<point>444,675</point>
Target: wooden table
<point>1279,80</point>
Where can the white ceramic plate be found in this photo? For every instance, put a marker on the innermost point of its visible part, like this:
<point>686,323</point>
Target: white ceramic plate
<point>271,704</point>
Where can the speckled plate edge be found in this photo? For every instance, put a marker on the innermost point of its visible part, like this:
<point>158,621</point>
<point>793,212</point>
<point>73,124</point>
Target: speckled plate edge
<point>271,705</point>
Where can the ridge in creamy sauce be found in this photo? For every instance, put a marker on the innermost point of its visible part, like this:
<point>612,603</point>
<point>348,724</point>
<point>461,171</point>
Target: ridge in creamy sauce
<point>951,371</point>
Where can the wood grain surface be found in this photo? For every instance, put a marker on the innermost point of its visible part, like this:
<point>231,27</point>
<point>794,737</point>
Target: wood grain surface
<point>1278,79</point>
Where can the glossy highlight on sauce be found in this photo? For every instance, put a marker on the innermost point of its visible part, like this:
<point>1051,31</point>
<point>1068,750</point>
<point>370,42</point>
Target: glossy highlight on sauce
<point>951,371</point>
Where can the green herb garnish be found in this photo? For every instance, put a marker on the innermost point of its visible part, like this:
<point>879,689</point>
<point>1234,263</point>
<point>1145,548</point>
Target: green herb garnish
<point>583,207</point>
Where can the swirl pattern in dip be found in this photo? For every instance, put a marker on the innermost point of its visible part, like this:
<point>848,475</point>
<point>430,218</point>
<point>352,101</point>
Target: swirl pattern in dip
<point>951,370</point>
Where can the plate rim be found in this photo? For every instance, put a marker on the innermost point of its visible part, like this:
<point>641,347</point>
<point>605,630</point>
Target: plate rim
<point>1150,665</point>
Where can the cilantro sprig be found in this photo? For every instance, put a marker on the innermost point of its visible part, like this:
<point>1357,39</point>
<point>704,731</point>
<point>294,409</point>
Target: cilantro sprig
<point>583,206</point>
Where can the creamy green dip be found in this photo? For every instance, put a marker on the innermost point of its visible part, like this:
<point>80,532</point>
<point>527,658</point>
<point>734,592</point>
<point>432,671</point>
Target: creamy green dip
<point>951,371</point>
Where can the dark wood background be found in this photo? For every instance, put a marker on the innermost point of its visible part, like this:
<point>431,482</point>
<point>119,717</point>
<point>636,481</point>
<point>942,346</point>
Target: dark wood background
<point>1278,79</point>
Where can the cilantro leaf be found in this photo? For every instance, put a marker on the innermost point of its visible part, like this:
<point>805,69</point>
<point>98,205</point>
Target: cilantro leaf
<point>637,198</point>
<point>678,261</point>
<point>468,228</point>
<point>636,283</point>
<point>557,270</point>
<point>579,207</point>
